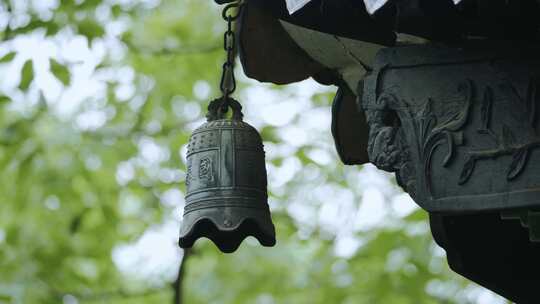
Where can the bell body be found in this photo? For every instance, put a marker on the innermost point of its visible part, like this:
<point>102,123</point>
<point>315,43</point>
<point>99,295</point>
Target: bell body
<point>226,198</point>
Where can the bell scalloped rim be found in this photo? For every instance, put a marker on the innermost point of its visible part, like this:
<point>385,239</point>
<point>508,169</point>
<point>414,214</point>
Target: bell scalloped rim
<point>226,235</point>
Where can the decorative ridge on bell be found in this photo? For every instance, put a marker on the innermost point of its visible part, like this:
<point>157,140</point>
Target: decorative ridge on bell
<point>226,196</point>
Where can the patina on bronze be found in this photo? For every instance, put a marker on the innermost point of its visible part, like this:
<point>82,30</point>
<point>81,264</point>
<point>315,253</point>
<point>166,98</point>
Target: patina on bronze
<point>226,198</point>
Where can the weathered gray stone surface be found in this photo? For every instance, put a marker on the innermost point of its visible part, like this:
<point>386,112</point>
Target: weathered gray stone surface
<point>459,127</point>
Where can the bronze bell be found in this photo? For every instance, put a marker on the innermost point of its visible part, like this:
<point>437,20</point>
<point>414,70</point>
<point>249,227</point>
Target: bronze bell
<point>226,198</point>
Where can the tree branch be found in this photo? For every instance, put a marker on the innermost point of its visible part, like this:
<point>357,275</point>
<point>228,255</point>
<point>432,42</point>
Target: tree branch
<point>178,284</point>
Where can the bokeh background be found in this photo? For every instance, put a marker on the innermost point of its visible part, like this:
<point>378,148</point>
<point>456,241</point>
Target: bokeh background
<point>97,101</point>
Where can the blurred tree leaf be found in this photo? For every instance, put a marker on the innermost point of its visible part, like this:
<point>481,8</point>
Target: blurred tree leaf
<point>90,28</point>
<point>8,57</point>
<point>60,71</point>
<point>27,75</point>
<point>4,99</point>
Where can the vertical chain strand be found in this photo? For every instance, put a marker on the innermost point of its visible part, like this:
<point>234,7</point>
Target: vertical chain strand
<point>231,12</point>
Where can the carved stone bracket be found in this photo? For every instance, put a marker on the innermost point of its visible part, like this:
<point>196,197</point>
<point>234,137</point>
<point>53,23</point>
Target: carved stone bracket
<point>459,127</point>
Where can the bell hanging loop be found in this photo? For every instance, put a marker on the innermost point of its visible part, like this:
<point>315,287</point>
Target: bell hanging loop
<point>218,109</point>
<point>226,196</point>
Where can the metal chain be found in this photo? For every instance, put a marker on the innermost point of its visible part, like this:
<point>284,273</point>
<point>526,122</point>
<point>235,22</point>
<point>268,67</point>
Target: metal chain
<point>230,13</point>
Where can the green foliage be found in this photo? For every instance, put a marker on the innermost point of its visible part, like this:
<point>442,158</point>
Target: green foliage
<point>90,28</point>
<point>60,71</point>
<point>27,75</point>
<point>8,57</point>
<point>83,177</point>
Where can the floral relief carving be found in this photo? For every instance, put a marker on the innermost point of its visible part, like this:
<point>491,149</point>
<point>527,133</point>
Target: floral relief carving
<point>422,132</point>
<point>506,143</point>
